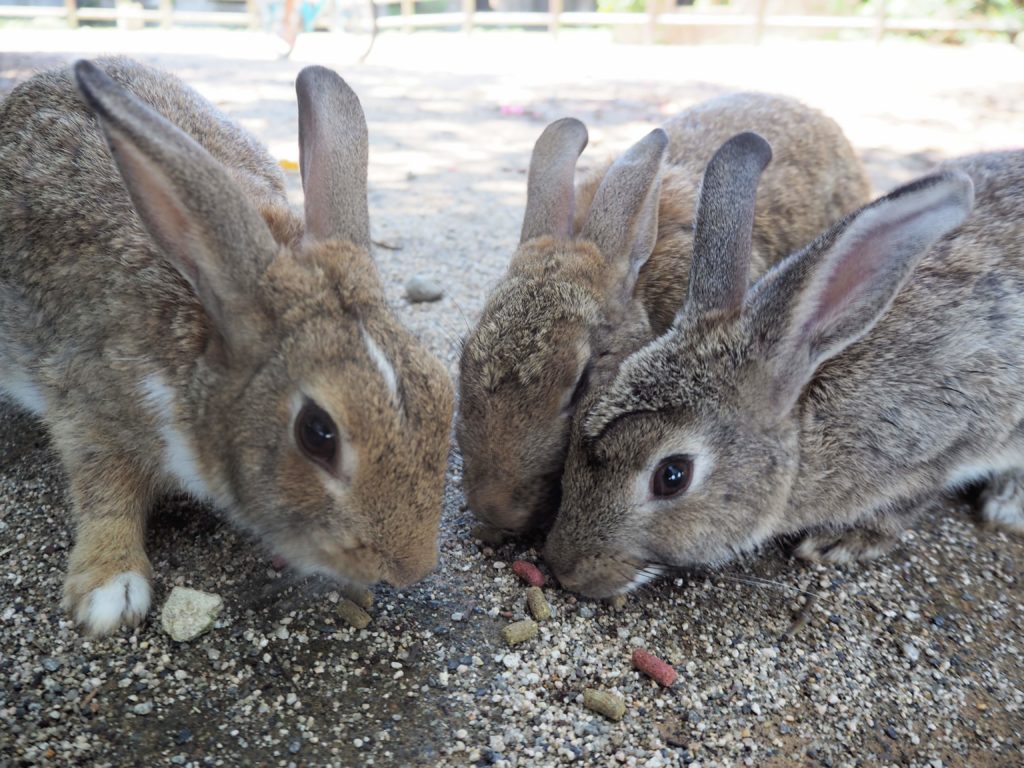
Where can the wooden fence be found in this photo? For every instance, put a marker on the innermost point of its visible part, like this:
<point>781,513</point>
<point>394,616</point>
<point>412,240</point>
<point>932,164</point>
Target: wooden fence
<point>651,19</point>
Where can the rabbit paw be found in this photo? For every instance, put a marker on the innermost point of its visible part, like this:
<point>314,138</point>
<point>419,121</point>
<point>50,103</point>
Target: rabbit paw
<point>101,608</point>
<point>1002,502</point>
<point>845,546</point>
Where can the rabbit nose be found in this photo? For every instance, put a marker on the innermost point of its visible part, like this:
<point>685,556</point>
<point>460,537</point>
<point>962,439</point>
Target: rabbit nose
<point>568,577</point>
<point>496,507</point>
<point>405,571</point>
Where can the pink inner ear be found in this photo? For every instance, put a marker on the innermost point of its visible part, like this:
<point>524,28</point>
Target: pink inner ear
<point>159,208</point>
<point>859,266</point>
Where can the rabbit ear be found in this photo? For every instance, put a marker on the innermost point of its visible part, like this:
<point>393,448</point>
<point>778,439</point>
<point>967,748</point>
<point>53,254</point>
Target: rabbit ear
<point>550,197</point>
<point>819,301</point>
<point>724,224</point>
<point>623,219</point>
<point>333,156</point>
<point>189,204</point>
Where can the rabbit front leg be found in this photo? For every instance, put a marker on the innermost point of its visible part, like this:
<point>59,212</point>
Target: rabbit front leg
<point>108,581</point>
<point>867,540</point>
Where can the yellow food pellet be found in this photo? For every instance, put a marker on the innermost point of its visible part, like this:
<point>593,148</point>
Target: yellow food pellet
<point>353,614</point>
<point>520,631</point>
<point>288,165</point>
<point>617,602</point>
<point>604,703</point>
<point>538,604</point>
<point>360,596</point>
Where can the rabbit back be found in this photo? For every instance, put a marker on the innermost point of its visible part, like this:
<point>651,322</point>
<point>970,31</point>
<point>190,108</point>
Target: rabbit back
<point>813,180</point>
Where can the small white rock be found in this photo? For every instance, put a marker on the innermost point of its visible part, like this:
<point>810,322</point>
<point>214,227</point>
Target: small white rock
<point>188,613</point>
<point>423,288</point>
<point>510,660</point>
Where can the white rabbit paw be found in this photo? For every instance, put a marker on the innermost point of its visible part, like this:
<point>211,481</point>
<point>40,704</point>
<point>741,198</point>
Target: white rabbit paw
<point>122,600</point>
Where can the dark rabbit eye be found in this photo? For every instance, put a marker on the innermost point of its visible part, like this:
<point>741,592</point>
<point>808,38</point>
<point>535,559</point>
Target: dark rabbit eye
<point>316,434</point>
<point>672,476</point>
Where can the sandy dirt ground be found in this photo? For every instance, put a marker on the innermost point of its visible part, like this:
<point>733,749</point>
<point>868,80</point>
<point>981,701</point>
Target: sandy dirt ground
<point>914,660</point>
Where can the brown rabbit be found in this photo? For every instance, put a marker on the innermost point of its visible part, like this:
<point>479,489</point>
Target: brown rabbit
<point>176,326</point>
<point>602,270</point>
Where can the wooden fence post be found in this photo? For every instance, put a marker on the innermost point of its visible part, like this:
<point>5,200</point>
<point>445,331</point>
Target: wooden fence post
<point>651,29</point>
<point>760,11</point>
<point>555,8</point>
<point>166,7</point>
<point>408,9</point>
<point>71,6</point>
<point>468,7</point>
<point>880,21</point>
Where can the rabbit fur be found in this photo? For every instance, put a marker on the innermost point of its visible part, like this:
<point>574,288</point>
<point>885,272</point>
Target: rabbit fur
<point>177,327</point>
<point>589,284</point>
<point>877,366</point>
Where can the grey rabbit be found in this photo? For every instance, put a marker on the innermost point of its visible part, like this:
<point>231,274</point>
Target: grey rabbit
<point>870,370</point>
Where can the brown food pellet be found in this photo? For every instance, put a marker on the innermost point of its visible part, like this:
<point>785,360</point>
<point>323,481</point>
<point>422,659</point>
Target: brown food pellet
<point>538,604</point>
<point>353,614</point>
<point>656,669</point>
<point>529,573</point>
<point>520,631</point>
<point>605,703</point>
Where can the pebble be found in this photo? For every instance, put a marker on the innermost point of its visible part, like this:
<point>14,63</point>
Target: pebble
<point>911,651</point>
<point>423,288</point>
<point>143,708</point>
<point>188,613</point>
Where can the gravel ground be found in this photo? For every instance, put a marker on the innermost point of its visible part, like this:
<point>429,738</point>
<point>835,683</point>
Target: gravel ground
<point>914,660</point>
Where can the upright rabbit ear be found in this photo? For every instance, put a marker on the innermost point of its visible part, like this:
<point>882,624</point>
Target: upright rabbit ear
<point>623,219</point>
<point>724,224</point>
<point>193,210</point>
<point>550,197</point>
<point>333,156</point>
<point>819,301</point>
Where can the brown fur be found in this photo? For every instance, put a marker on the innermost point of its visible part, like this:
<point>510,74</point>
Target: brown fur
<point>90,307</point>
<point>513,438</point>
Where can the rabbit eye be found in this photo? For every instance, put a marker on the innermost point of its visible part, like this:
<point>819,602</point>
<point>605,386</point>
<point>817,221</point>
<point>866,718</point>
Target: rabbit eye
<point>316,435</point>
<point>672,476</point>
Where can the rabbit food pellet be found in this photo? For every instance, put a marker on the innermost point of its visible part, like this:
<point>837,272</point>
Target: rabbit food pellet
<point>520,631</point>
<point>353,614</point>
<point>538,604</point>
<point>617,602</point>
<point>529,573</point>
<point>656,669</point>
<point>358,595</point>
<point>604,703</point>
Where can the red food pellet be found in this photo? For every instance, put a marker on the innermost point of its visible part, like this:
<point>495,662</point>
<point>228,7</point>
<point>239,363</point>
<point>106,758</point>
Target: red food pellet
<point>656,669</point>
<point>278,563</point>
<point>529,573</point>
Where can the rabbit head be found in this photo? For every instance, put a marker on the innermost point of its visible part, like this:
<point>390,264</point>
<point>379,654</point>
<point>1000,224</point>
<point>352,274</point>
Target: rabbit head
<point>318,422</point>
<point>690,454</point>
<point>552,326</point>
